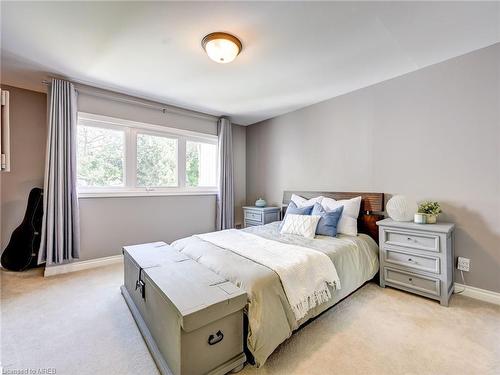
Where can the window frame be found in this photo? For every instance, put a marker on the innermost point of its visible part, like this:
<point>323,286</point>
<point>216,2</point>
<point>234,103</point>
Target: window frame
<point>131,129</point>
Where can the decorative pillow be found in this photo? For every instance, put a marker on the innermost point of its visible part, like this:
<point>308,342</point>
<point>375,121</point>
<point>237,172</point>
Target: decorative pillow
<point>302,202</point>
<point>293,209</point>
<point>301,225</point>
<point>348,223</point>
<point>327,225</point>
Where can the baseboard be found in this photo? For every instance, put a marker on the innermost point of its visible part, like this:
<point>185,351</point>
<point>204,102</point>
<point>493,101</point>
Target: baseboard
<point>83,265</point>
<point>477,293</point>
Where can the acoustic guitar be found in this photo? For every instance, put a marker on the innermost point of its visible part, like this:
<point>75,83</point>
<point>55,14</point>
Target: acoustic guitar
<point>22,251</point>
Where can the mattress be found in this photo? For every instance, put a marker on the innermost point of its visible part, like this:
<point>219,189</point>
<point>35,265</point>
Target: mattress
<point>270,318</point>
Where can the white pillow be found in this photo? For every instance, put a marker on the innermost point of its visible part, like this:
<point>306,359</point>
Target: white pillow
<point>302,225</point>
<point>302,202</point>
<point>348,223</point>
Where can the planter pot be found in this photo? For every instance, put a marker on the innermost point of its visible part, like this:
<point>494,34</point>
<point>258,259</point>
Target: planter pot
<point>425,218</point>
<point>431,219</point>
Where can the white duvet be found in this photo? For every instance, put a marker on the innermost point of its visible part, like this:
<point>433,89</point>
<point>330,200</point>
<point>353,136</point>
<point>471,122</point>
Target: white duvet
<point>305,273</point>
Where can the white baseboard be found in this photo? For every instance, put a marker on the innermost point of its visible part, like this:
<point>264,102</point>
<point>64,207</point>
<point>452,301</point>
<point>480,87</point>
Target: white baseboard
<point>480,294</point>
<point>83,265</point>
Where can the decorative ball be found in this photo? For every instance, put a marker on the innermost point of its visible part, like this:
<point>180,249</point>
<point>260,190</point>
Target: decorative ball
<point>260,203</point>
<point>401,208</point>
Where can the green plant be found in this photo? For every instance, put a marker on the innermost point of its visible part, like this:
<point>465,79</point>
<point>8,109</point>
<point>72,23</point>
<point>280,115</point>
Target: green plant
<point>429,207</point>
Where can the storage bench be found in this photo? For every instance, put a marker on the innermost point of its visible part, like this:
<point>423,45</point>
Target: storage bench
<point>190,317</point>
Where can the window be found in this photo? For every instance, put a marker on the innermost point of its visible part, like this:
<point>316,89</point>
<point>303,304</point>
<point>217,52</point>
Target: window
<point>120,157</point>
<point>156,161</point>
<point>201,164</point>
<point>101,157</point>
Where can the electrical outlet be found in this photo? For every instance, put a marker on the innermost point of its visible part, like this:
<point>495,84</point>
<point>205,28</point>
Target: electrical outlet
<point>463,264</point>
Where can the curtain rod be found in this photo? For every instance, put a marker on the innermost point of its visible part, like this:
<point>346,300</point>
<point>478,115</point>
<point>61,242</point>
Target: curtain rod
<point>165,109</point>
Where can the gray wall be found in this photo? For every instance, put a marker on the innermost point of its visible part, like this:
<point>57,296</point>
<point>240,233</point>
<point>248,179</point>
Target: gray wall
<point>28,113</point>
<point>431,134</point>
<point>109,223</point>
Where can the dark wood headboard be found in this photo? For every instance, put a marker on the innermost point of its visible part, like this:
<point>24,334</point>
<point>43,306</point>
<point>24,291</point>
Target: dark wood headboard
<point>372,204</point>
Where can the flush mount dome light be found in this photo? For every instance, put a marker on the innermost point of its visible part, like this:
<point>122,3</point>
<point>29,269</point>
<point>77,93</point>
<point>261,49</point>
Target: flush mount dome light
<point>221,47</point>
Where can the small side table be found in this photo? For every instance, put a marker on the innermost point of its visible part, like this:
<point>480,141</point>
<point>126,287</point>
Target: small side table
<point>417,258</point>
<point>253,215</point>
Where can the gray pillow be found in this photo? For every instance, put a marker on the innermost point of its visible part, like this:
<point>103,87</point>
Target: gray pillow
<point>327,225</point>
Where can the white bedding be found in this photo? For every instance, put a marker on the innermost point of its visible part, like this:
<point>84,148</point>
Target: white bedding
<point>304,273</point>
<point>270,317</point>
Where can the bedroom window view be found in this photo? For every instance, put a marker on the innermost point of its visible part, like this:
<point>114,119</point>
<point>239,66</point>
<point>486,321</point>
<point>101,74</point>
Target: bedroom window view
<point>122,157</point>
<point>201,164</point>
<point>156,161</point>
<point>100,156</point>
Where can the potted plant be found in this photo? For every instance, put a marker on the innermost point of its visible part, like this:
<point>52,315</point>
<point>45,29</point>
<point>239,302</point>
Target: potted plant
<point>431,210</point>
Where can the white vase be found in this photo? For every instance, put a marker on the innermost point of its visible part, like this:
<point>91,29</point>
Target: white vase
<point>400,208</point>
<point>260,203</point>
<point>420,218</point>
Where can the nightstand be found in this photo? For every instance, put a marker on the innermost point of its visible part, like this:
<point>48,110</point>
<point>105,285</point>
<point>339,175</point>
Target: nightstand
<point>253,215</point>
<point>417,258</point>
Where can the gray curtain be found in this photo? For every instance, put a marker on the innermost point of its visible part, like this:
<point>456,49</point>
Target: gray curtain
<point>225,196</point>
<point>60,238</point>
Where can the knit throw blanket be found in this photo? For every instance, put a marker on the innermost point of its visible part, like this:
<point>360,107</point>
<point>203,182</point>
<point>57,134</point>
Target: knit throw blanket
<point>305,273</point>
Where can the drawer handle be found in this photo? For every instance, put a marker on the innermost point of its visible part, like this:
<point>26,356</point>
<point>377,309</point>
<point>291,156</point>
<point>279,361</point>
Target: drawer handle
<point>410,280</point>
<point>412,261</point>
<point>212,340</point>
<point>411,239</point>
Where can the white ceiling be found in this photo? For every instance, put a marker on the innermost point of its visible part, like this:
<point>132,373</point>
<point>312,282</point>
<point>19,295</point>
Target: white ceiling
<point>294,53</point>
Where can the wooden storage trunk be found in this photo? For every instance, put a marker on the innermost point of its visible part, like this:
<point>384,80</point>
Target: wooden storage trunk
<point>190,317</point>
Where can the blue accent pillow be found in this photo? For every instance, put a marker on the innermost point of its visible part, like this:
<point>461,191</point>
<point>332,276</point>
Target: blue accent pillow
<point>294,210</point>
<point>327,225</point>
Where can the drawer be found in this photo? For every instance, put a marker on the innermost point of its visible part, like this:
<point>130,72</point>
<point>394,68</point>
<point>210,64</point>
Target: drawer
<point>416,282</point>
<point>270,217</point>
<point>427,242</point>
<point>253,215</point>
<point>412,261</point>
<point>249,223</point>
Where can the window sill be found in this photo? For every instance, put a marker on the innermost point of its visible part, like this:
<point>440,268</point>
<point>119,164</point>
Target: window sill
<point>122,194</point>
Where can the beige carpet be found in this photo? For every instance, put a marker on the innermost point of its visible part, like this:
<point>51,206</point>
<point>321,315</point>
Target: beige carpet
<point>79,324</point>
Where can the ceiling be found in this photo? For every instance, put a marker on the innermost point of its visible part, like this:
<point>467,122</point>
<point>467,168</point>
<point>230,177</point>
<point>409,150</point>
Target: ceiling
<point>294,53</point>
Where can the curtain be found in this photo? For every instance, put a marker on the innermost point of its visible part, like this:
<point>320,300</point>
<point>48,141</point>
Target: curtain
<point>225,196</point>
<point>60,237</point>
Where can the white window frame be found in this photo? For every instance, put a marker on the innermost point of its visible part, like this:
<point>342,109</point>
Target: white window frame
<point>131,129</point>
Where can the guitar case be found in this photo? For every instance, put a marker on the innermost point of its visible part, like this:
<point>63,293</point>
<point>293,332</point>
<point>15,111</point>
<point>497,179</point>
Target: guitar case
<point>22,251</point>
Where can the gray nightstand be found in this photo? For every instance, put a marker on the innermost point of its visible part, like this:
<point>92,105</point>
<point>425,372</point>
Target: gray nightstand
<point>260,215</point>
<point>417,258</point>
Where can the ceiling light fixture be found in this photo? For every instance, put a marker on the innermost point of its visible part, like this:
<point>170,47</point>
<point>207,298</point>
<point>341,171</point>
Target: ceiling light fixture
<point>221,47</point>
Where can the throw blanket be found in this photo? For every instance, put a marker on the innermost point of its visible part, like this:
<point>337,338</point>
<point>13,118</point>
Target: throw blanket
<point>305,273</point>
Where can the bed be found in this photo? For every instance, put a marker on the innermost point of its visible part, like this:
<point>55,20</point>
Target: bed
<point>270,319</point>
